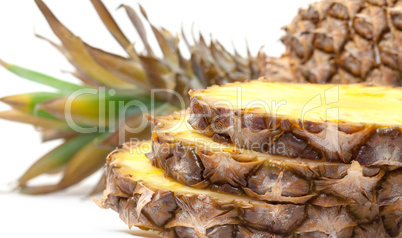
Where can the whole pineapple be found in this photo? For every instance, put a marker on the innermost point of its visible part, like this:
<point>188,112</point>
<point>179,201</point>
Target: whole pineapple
<point>342,41</point>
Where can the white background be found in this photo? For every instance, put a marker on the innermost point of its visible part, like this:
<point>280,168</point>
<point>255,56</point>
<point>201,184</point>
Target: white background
<point>68,213</point>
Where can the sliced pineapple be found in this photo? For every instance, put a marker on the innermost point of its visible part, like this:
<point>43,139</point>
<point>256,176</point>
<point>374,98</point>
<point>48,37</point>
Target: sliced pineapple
<point>145,198</point>
<point>196,160</point>
<point>337,123</point>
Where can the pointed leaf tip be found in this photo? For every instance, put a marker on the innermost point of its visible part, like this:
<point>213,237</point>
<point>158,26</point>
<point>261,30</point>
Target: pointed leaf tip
<point>143,12</point>
<point>4,100</point>
<point>139,26</point>
<point>18,116</point>
<point>3,63</point>
<point>40,78</point>
<point>78,51</point>
<point>110,23</point>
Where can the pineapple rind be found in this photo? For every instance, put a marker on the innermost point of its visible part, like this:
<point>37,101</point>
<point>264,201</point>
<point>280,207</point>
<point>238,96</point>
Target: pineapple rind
<point>342,41</point>
<point>196,160</point>
<point>145,198</point>
<point>365,125</point>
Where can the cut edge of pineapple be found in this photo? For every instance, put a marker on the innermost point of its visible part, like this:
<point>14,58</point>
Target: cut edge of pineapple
<point>174,128</point>
<point>320,103</point>
<point>132,163</point>
<point>173,131</point>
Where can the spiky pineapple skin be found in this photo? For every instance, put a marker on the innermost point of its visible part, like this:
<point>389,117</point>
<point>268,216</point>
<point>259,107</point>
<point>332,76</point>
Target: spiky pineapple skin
<point>196,160</point>
<point>343,41</point>
<point>177,214</point>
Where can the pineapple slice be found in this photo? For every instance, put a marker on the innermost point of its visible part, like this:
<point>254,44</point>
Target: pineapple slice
<point>196,160</point>
<point>145,198</point>
<point>338,123</point>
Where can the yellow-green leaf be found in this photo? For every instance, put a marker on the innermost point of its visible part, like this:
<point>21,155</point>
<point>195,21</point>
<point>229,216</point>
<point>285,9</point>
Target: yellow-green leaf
<point>56,158</point>
<point>44,79</point>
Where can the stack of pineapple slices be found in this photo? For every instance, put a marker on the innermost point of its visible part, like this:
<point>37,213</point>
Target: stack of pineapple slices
<point>260,159</point>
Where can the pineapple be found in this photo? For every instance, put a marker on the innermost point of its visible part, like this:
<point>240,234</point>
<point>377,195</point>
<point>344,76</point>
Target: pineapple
<point>341,41</point>
<point>335,123</point>
<point>324,44</point>
<point>129,78</point>
<point>196,160</point>
<point>145,198</point>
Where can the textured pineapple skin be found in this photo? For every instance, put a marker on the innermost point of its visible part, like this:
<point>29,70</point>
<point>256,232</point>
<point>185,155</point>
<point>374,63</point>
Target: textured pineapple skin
<point>174,213</point>
<point>196,160</point>
<point>371,144</point>
<point>346,41</point>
